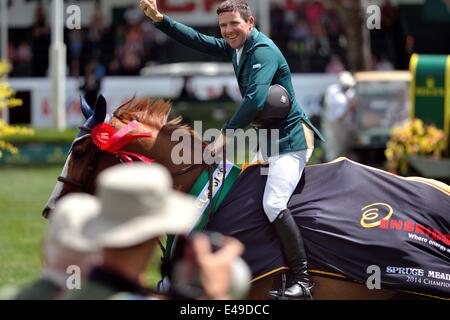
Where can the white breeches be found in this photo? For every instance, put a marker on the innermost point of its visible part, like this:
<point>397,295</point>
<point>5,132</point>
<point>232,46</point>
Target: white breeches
<point>284,174</point>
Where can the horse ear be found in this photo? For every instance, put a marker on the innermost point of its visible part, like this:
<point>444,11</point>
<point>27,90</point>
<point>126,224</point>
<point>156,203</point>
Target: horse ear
<point>100,109</point>
<point>85,109</point>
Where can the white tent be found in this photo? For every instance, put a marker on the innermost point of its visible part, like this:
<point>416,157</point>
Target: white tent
<point>189,69</point>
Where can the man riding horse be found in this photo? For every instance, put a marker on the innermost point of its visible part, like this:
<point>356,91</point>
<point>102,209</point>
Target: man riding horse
<point>260,65</point>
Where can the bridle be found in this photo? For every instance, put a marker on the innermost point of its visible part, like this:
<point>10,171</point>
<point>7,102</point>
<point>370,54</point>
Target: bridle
<point>84,185</point>
<point>186,170</point>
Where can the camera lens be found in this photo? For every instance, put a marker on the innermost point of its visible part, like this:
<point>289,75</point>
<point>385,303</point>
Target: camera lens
<point>216,240</point>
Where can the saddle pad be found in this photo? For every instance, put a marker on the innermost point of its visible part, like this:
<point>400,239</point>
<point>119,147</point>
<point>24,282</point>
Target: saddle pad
<point>359,223</point>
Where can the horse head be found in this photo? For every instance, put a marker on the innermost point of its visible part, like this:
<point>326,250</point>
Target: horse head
<point>170,139</point>
<point>84,160</point>
<point>147,134</point>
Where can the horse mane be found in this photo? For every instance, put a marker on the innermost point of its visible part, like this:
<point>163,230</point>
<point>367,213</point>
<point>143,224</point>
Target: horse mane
<point>152,112</point>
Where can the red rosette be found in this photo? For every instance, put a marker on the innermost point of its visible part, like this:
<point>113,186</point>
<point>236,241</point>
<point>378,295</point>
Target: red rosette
<point>101,135</point>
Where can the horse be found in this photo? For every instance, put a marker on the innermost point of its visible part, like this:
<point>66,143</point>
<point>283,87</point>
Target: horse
<point>153,141</point>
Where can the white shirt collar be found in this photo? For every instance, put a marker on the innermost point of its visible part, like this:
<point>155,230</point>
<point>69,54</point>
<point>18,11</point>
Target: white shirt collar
<point>239,54</point>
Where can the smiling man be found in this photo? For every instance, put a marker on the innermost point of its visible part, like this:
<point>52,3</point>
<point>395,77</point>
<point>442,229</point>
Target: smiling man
<point>259,67</point>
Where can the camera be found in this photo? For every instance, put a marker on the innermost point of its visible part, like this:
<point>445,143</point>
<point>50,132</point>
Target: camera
<point>185,273</point>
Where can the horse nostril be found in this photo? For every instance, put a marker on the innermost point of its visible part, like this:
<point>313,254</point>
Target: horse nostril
<point>46,212</point>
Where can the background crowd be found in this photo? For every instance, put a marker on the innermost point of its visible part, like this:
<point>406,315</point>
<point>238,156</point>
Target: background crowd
<point>313,38</point>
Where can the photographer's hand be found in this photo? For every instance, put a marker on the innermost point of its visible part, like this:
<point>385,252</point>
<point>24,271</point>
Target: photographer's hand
<point>215,268</point>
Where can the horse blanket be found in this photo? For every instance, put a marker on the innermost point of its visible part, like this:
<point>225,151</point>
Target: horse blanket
<point>359,223</point>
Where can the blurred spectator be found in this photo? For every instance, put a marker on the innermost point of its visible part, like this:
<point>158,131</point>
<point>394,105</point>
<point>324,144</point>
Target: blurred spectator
<point>96,33</point>
<point>40,42</point>
<point>409,47</point>
<point>75,51</point>
<point>133,51</point>
<point>136,206</point>
<point>186,93</point>
<point>298,49</point>
<point>340,102</point>
<point>133,15</point>
<point>149,34</point>
<point>384,64</point>
<point>390,27</point>
<point>336,33</point>
<point>156,42</point>
<point>335,65</point>
<point>389,14</point>
<point>11,52</point>
<point>307,32</point>
<point>114,67</point>
<point>315,12</point>
<point>300,31</point>
<point>131,63</point>
<point>320,47</point>
<point>92,81</point>
<point>69,256</point>
<point>23,60</point>
<point>280,27</point>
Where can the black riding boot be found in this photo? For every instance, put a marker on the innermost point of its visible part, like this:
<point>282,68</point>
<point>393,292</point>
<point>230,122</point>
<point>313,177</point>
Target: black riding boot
<point>294,251</point>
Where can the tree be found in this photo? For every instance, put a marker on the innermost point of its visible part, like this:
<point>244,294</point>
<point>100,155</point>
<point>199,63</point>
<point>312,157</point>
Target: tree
<point>7,100</point>
<point>355,15</point>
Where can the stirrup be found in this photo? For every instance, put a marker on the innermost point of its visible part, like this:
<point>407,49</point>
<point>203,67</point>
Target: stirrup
<point>284,294</point>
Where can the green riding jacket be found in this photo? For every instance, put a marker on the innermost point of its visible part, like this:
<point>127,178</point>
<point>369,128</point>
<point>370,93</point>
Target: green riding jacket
<point>261,65</point>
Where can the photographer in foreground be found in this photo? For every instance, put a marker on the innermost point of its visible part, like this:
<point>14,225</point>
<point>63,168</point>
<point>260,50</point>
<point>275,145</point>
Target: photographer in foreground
<point>138,206</point>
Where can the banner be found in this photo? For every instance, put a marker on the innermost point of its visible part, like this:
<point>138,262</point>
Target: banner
<point>430,90</point>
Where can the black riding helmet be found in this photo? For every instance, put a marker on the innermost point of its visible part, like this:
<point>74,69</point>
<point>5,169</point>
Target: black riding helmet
<point>276,108</point>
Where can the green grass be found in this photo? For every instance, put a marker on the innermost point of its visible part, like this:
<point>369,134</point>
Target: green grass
<point>23,194</point>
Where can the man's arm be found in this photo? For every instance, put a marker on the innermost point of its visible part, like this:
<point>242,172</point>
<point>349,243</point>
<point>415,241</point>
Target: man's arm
<point>184,34</point>
<point>264,67</point>
<point>350,108</point>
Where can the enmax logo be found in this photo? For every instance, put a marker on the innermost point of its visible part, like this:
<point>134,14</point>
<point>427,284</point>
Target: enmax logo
<point>374,213</point>
<point>379,215</point>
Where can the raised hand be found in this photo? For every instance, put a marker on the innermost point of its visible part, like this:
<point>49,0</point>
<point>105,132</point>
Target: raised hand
<point>150,9</point>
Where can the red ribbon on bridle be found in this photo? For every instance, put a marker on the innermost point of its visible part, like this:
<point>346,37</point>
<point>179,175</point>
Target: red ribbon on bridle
<point>107,138</point>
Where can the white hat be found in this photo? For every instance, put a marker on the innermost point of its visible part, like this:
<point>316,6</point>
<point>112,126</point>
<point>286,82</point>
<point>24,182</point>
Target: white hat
<point>66,222</point>
<point>137,204</point>
<point>346,79</point>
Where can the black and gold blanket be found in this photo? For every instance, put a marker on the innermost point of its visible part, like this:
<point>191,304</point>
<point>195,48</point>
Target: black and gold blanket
<point>358,222</point>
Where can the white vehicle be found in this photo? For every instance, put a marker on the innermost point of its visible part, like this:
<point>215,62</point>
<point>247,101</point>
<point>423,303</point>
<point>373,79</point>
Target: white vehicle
<point>383,101</point>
